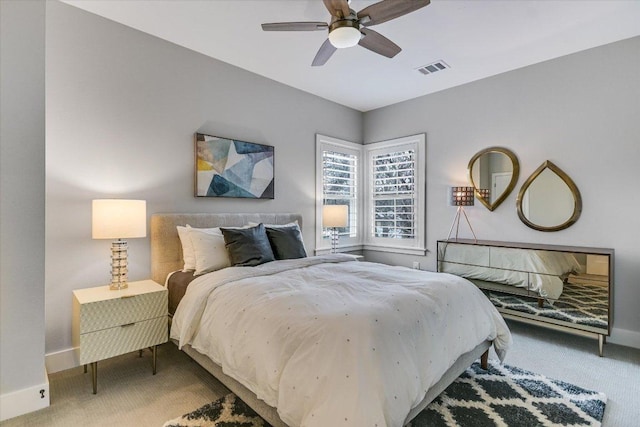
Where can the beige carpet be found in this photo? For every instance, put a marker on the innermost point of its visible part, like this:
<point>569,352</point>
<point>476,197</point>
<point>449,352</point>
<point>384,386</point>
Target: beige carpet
<point>128,395</point>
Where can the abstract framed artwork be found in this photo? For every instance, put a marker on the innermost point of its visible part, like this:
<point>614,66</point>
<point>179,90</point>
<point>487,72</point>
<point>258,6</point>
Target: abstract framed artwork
<point>231,168</point>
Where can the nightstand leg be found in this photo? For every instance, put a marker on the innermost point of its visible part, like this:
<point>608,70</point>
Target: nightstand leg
<point>154,352</point>
<point>85,368</point>
<point>94,376</point>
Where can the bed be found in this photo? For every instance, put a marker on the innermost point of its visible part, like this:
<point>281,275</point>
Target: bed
<point>326,340</point>
<point>540,272</point>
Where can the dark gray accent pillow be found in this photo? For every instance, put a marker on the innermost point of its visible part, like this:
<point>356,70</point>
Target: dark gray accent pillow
<point>247,246</point>
<point>286,242</point>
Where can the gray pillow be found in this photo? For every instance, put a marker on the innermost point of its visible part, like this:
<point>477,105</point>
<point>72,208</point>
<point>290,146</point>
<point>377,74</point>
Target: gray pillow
<point>247,246</point>
<point>286,242</point>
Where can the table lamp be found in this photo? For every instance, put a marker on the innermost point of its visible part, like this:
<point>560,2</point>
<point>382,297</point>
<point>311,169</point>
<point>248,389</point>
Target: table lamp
<point>334,217</point>
<point>119,219</point>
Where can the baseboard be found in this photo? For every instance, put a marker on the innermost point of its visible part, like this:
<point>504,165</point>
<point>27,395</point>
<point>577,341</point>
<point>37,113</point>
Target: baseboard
<point>61,360</point>
<point>625,337</point>
<point>23,401</point>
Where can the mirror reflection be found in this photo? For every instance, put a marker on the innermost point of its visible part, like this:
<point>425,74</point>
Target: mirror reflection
<point>549,200</point>
<point>493,172</point>
<point>570,287</point>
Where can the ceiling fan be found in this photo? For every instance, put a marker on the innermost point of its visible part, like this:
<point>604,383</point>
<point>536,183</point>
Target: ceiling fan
<point>348,28</point>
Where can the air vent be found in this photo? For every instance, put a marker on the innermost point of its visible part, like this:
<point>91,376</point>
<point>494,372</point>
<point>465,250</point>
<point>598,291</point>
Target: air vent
<point>434,67</point>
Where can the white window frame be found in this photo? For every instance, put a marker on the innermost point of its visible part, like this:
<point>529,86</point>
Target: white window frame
<point>364,238</point>
<point>416,246</point>
<point>324,143</point>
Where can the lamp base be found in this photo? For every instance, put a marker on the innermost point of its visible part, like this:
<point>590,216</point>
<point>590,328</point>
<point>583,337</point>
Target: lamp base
<point>118,286</point>
<point>456,223</point>
<point>335,238</point>
<point>119,270</point>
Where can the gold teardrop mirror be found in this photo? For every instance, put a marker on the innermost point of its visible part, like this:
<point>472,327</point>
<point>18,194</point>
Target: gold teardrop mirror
<point>493,173</point>
<point>549,200</point>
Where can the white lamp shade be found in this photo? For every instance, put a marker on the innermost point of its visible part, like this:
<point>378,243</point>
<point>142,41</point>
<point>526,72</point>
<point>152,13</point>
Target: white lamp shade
<point>344,37</point>
<point>117,218</point>
<point>335,215</point>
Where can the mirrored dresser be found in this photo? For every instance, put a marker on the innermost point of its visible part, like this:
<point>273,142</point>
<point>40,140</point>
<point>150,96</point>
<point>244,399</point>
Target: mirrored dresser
<point>561,287</point>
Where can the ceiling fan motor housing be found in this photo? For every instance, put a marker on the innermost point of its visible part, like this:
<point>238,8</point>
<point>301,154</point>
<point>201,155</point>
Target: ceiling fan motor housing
<point>344,32</point>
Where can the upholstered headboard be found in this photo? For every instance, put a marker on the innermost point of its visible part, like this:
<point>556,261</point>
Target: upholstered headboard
<point>166,250</point>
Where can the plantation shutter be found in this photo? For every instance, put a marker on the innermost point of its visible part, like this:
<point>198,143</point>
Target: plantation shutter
<point>395,172</point>
<point>394,194</point>
<point>340,185</point>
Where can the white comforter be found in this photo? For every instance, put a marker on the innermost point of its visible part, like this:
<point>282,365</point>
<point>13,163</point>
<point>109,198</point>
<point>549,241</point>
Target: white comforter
<point>331,341</point>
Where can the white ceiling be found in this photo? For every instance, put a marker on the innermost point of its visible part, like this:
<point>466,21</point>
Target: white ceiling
<point>477,38</point>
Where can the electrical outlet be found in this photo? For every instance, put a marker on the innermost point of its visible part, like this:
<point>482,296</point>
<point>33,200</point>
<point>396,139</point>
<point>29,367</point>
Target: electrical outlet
<point>416,265</point>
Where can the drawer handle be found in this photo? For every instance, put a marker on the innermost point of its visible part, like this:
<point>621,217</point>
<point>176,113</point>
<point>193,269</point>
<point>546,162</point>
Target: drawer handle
<point>127,296</point>
<point>128,324</point>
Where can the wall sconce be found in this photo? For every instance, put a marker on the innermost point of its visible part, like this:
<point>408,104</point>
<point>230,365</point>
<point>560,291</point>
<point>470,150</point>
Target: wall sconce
<point>460,197</point>
<point>118,219</point>
<point>334,217</point>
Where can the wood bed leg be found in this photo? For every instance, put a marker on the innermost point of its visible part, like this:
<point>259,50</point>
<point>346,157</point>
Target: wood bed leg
<point>484,360</point>
<point>540,303</point>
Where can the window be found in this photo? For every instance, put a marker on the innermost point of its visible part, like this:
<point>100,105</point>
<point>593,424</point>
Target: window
<point>338,182</point>
<point>384,186</point>
<point>393,211</point>
<point>395,198</point>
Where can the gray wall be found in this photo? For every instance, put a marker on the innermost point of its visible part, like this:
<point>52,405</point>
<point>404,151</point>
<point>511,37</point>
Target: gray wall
<point>22,186</point>
<point>579,111</point>
<point>122,107</point>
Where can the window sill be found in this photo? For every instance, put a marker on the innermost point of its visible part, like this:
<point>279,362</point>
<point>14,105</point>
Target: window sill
<point>343,248</point>
<point>397,250</point>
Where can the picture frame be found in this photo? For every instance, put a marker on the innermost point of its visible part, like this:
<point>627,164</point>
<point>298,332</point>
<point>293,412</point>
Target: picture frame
<point>233,168</point>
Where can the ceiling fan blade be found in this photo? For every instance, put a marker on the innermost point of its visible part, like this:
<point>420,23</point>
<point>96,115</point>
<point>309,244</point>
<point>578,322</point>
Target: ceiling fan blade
<point>323,55</point>
<point>388,9</point>
<point>295,26</point>
<point>339,8</point>
<point>378,43</point>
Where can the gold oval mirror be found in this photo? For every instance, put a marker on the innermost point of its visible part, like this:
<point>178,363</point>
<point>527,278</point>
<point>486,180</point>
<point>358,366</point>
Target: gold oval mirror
<point>493,173</point>
<point>549,200</point>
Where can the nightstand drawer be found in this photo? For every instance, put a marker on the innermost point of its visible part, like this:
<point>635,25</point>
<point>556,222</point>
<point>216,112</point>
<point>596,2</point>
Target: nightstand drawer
<point>118,340</point>
<point>105,314</point>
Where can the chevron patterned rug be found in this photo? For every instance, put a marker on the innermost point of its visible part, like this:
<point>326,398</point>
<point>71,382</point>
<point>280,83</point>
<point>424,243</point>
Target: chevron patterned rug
<point>501,396</point>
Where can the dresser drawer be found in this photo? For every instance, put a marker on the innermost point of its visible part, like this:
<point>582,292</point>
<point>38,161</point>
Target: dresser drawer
<point>118,340</point>
<point>99,315</point>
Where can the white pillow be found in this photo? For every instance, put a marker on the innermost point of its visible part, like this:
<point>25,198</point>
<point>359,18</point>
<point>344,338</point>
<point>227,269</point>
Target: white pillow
<point>188,254</point>
<point>209,250</point>
<point>187,248</point>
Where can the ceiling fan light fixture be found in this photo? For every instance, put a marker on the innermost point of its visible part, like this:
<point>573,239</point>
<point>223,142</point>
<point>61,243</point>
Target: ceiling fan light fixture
<point>342,37</point>
<point>348,28</point>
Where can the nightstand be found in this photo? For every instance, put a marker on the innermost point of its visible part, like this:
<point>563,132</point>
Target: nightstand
<point>108,323</point>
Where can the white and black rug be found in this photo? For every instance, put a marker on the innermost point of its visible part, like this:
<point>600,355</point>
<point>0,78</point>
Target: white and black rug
<point>501,396</point>
<point>505,395</point>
